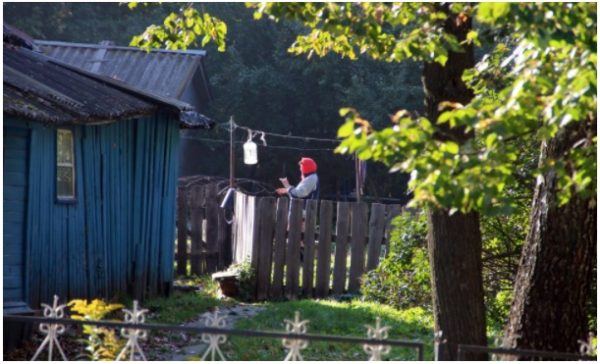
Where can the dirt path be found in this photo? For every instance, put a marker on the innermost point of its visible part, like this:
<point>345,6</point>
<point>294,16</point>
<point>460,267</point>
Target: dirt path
<point>183,347</point>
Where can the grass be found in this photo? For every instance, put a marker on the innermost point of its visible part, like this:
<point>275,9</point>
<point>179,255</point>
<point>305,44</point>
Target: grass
<point>184,306</point>
<point>332,318</point>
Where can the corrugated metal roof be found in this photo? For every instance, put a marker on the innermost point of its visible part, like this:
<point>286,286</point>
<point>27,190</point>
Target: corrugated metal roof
<point>43,89</point>
<point>37,89</point>
<point>162,72</point>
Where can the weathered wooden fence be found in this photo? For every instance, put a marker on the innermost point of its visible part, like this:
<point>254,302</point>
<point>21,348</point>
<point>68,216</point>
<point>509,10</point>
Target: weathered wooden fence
<point>309,248</point>
<point>203,234</point>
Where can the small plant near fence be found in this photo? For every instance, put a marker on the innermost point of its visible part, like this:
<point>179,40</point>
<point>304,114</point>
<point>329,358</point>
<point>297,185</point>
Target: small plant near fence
<point>100,343</point>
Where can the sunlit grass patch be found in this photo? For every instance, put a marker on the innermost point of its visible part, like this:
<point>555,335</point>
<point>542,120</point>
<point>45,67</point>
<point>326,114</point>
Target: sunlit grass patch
<point>331,318</point>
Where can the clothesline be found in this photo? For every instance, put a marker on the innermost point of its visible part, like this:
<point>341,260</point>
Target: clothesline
<point>286,136</point>
<point>262,146</point>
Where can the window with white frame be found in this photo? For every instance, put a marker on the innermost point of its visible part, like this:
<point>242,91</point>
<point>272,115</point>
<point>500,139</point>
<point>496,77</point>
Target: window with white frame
<point>65,165</point>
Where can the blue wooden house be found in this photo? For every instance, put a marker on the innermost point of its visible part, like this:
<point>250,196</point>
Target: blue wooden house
<point>90,172</point>
<point>175,74</point>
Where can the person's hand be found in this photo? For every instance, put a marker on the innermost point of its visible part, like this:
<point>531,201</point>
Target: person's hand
<point>284,181</point>
<point>281,191</point>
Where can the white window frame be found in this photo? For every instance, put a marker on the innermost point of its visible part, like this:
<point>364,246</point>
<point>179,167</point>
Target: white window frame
<point>71,198</point>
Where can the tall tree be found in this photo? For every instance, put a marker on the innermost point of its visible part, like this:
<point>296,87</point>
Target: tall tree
<point>538,85</point>
<point>454,239</point>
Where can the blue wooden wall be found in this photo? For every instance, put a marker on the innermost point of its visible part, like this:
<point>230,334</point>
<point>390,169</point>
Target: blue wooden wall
<point>119,234</point>
<point>16,147</point>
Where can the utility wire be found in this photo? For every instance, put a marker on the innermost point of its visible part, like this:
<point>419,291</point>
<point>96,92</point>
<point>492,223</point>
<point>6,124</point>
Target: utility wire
<point>260,145</point>
<point>287,136</point>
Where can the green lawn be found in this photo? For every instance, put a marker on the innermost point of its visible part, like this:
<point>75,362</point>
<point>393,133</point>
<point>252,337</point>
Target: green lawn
<point>184,306</point>
<point>333,318</point>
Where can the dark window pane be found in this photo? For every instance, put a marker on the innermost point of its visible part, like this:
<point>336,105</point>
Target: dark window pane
<point>64,145</point>
<point>65,168</point>
<point>64,183</point>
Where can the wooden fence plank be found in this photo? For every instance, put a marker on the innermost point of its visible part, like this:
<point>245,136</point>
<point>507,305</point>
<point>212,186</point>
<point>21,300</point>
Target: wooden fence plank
<point>341,247</point>
<point>358,232</point>
<point>265,210</point>
<point>293,249</point>
<point>182,233</point>
<point>243,227</point>
<point>391,211</point>
<point>196,217</point>
<point>212,226</point>
<point>279,247</point>
<point>376,226</point>
<point>224,241</point>
<point>309,248</point>
<point>254,241</point>
<point>324,249</point>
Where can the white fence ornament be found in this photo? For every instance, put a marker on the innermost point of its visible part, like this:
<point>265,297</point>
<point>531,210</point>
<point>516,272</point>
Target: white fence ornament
<point>588,348</point>
<point>213,340</point>
<point>378,333</point>
<point>52,330</point>
<point>294,345</point>
<point>133,335</point>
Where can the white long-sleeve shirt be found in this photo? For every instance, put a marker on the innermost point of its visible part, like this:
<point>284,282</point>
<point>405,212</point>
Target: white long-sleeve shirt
<point>307,186</point>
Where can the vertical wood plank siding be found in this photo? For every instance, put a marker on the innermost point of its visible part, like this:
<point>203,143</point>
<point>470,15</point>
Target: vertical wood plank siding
<point>119,233</point>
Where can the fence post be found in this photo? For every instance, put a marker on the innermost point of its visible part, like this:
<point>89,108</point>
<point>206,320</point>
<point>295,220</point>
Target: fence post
<point>341,247</point>
<point>376,226</point>
<point>324,249</point>
<point>212,227</point>
<point>182,230</point>
<point>279,247</point>
<point>293,249</point>
<point>360,214</point>
<point>196,217</point>
<point>266,208</point>
<point>309,248</point>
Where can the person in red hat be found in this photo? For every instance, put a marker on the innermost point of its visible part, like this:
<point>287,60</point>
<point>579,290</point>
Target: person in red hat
<point>308,188</point>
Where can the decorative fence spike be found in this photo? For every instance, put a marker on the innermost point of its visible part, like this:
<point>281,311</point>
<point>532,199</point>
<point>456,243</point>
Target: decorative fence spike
<point>294,345</point>
<point>588,348</point>
<point>52,330</point>
<point>439,343</point>
<point>212,340</point>
<point>133,335</point>
<point>378,333</point>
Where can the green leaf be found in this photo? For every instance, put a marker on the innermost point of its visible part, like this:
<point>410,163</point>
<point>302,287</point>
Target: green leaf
<point>346,129</point>
<point>344,111</point>
<point>490,12</point>
<point>490,140</point>
<point>451,147</point>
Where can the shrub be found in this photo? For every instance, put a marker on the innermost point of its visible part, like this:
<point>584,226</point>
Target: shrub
<point>246,280</point>
<point>101,343</point>
<point>402,279</point>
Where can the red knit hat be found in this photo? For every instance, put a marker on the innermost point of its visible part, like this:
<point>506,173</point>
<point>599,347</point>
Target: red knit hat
<point>307,166</point>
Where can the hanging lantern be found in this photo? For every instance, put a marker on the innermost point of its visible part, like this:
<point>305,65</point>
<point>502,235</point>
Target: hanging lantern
<point>250,151</point>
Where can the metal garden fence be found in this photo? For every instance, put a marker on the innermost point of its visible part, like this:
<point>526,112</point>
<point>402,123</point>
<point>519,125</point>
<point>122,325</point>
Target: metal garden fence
<point>376,345</point>
<point>294,340</point>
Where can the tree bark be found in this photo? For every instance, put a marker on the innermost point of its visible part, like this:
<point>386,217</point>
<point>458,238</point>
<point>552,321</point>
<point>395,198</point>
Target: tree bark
<point>454,242</point>
<point>555,276</point>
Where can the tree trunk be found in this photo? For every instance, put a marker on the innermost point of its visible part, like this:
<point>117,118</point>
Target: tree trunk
<point>454,242</point>
<point>555,276</point>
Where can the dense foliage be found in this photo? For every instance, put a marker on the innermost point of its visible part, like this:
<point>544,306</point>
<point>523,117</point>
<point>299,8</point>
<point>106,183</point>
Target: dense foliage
<point>543,78</point>
<point>403,278</point>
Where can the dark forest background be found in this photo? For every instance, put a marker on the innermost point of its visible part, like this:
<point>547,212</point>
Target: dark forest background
<point>259,83</point>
